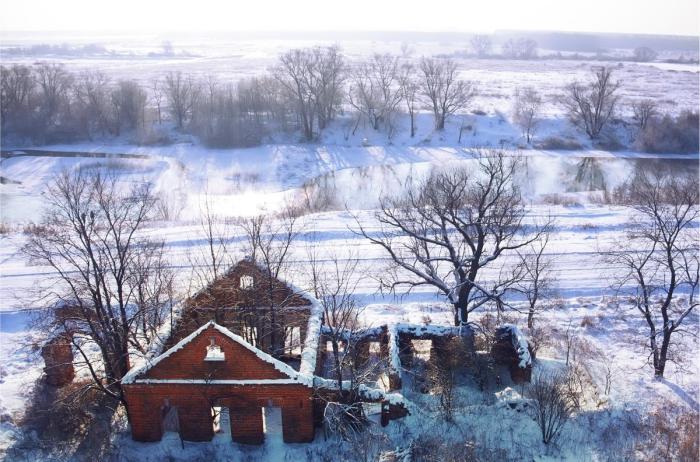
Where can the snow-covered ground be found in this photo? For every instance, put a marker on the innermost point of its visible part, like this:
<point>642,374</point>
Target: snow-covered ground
<point>247,181</point>
<point>355,171</point>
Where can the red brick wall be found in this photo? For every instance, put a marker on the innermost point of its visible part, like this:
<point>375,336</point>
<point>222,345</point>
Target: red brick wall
<point>188,363</point>
<point>146,402</point>
<point>247,424</point>
<point>226,303</point>
<point>58,360</point>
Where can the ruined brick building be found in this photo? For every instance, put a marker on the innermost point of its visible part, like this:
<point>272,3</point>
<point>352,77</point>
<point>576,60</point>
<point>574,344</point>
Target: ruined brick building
<point>245,342</point>
<point>248,343</point>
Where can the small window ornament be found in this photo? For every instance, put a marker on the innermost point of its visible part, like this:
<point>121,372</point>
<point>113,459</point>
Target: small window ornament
<point>214,352</point>
<point>246,282</point>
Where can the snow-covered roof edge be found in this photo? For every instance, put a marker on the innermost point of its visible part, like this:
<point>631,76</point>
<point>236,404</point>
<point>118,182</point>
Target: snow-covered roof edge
<point>132,375</point>
<point>520,344</point>
<point>309,351</point>
<point>394,359</point>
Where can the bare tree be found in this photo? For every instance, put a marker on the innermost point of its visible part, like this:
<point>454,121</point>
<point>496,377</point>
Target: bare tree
<point>538,279</point>
<point>521,48</point>
<point>443,89</point>
<point>590,106</point>
<point>526,110</point>
<point>551,406</point>
<point>312,78</point>
<point>182,93</point>
<point>16,88</point>
<point>210,261</point>
<point>375,90</point>
<point>481,45</point>
<point>92,92</point>
<point>54,82</point>
<point>154,293</point>
<point>644,54</point>
<point>409,87</point>
<point>643,111</point>
<point>659,255</point>
<point>128,104</point>
<point>102,270</point>
<point>330,67</point>
<point>269,240</point>
<point>157,95</point>
<point>445,229</point>
<point>295,73</point>
<point>335,285</point>
<point>443,374</point>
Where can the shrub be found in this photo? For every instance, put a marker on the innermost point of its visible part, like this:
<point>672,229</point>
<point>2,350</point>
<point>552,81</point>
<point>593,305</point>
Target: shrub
<point>669,134</point>
<point>556,143</point>
<point>670,433</point>
<point>560,199</point>
<point>610,142</point>
<point>588,321</point>
<point>552,406</point>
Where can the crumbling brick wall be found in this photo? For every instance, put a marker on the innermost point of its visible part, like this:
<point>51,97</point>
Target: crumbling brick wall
<point>58,360</point>
<point>238,308</point>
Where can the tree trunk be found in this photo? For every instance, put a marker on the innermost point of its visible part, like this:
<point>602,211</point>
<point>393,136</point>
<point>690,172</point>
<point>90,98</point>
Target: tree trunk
<point>461,312</point>
<point>661,355</point>
<point>439,121</point>
<point>336,358</point>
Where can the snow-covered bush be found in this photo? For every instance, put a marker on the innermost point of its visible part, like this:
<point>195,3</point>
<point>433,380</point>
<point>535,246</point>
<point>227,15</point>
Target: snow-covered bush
<point>551,406</point>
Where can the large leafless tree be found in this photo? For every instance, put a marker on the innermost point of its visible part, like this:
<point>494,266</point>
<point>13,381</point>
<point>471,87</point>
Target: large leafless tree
<point>643,111</point>
<point>313,80</point>
<point>54,83</point>
<point>443,231</point>
<point>109,284</point>
<point>445,92</point>
<point>375,90</point>
<point>210,261</point>
<point>537,281</point>
<point>182,92</point>
<point>16,88</point>
<point>92,92</point>
<point>591,105</point>
<point>659,255</point>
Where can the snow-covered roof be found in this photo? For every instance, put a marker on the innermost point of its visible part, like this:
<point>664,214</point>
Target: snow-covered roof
<point>308,354</point>
<point>134,373</point>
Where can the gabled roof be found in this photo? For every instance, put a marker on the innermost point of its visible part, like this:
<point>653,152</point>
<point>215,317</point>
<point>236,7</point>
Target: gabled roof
<point>293,376</point>
<point>308,355</point>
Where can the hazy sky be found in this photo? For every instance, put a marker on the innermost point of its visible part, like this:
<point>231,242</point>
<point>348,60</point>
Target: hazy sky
<point>678,17</point>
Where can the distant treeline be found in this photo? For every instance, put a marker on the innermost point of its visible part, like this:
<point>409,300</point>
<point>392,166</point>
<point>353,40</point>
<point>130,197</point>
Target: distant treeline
<point>300,96</point>
<point>45,49</point>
